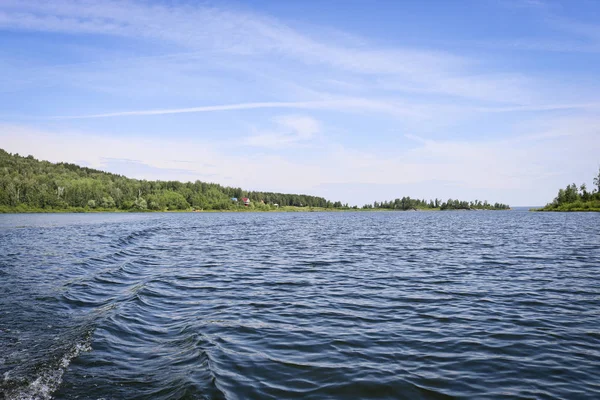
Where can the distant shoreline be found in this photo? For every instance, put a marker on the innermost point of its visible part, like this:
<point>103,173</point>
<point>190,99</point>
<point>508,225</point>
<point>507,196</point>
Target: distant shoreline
<point>287,209</point>
<point>569,210</point>
<point>280,210</point>
<point>29,185</point>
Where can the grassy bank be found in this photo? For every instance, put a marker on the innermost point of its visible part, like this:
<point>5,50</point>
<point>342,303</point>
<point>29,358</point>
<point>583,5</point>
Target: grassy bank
<point>592,206</point>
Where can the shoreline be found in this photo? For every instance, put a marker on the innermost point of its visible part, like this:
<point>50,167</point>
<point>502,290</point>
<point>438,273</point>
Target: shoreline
<point>288,209</point>
<point>300,210</point>
<point>572,210</point>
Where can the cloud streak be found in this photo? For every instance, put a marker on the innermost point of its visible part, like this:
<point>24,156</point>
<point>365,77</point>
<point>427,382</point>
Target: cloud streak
<point>224,107</point>
<point>341,104</point>
<point>245,34</point>
<point>385,80</point>
<point>293,130</point>
<point>348,105</point>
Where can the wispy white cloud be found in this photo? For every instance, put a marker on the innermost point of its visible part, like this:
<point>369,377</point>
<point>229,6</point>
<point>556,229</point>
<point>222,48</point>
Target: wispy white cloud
<point>380,79</point>
<point>197,35</point>
<point>340,104</point>
<point>246,34</point>
<point>540,107</point>
<point>392,107</point>
<point>225,107</point>
<point>291,130</point>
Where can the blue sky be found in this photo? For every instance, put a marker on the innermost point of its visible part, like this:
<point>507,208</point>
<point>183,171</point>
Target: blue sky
<point>358,101</point>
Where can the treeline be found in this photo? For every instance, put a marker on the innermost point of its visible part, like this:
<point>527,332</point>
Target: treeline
<point>27,184</point>
<point>406,203</point>
<point>573,198</point>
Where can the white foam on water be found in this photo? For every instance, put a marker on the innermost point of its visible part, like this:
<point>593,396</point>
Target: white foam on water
<point>42,387</point>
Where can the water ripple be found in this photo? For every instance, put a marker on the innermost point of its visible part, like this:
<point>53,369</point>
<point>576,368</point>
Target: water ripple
<point>315,305</point>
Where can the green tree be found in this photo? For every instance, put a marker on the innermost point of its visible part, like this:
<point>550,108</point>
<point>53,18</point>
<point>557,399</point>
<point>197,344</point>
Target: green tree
<point>140,204</point>
<point>173,201</point>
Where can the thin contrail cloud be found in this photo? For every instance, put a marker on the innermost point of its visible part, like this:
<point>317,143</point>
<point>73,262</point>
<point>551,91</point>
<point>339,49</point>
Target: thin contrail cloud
<point>225,107</point>
<point>337,104</point>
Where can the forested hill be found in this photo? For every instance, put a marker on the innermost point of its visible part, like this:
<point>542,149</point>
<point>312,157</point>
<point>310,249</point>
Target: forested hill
<point>27,184</point>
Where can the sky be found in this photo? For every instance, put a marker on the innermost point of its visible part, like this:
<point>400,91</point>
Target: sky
<point>357,101</point>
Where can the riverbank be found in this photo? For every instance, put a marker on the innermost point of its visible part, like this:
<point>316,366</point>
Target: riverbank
<point>574,206</point>
<point>570,208</point>
<point>84,210</point>
<point>32,210</point>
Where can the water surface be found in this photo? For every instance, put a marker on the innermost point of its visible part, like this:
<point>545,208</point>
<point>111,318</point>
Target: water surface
<point>380,305</point>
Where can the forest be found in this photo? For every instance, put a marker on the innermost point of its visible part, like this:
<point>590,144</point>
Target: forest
<point>27,184</point>
<point>576,198</point>
<point>406,203</point>
<point>31,185</point>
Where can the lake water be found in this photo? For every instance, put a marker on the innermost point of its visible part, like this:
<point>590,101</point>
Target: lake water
<point>370,305</point>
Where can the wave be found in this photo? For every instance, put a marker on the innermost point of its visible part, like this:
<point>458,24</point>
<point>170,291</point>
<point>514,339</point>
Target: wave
<point>47,378</point>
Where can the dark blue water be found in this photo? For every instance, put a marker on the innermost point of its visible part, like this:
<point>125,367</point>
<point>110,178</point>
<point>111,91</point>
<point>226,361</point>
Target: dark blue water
<point>380,305</point>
